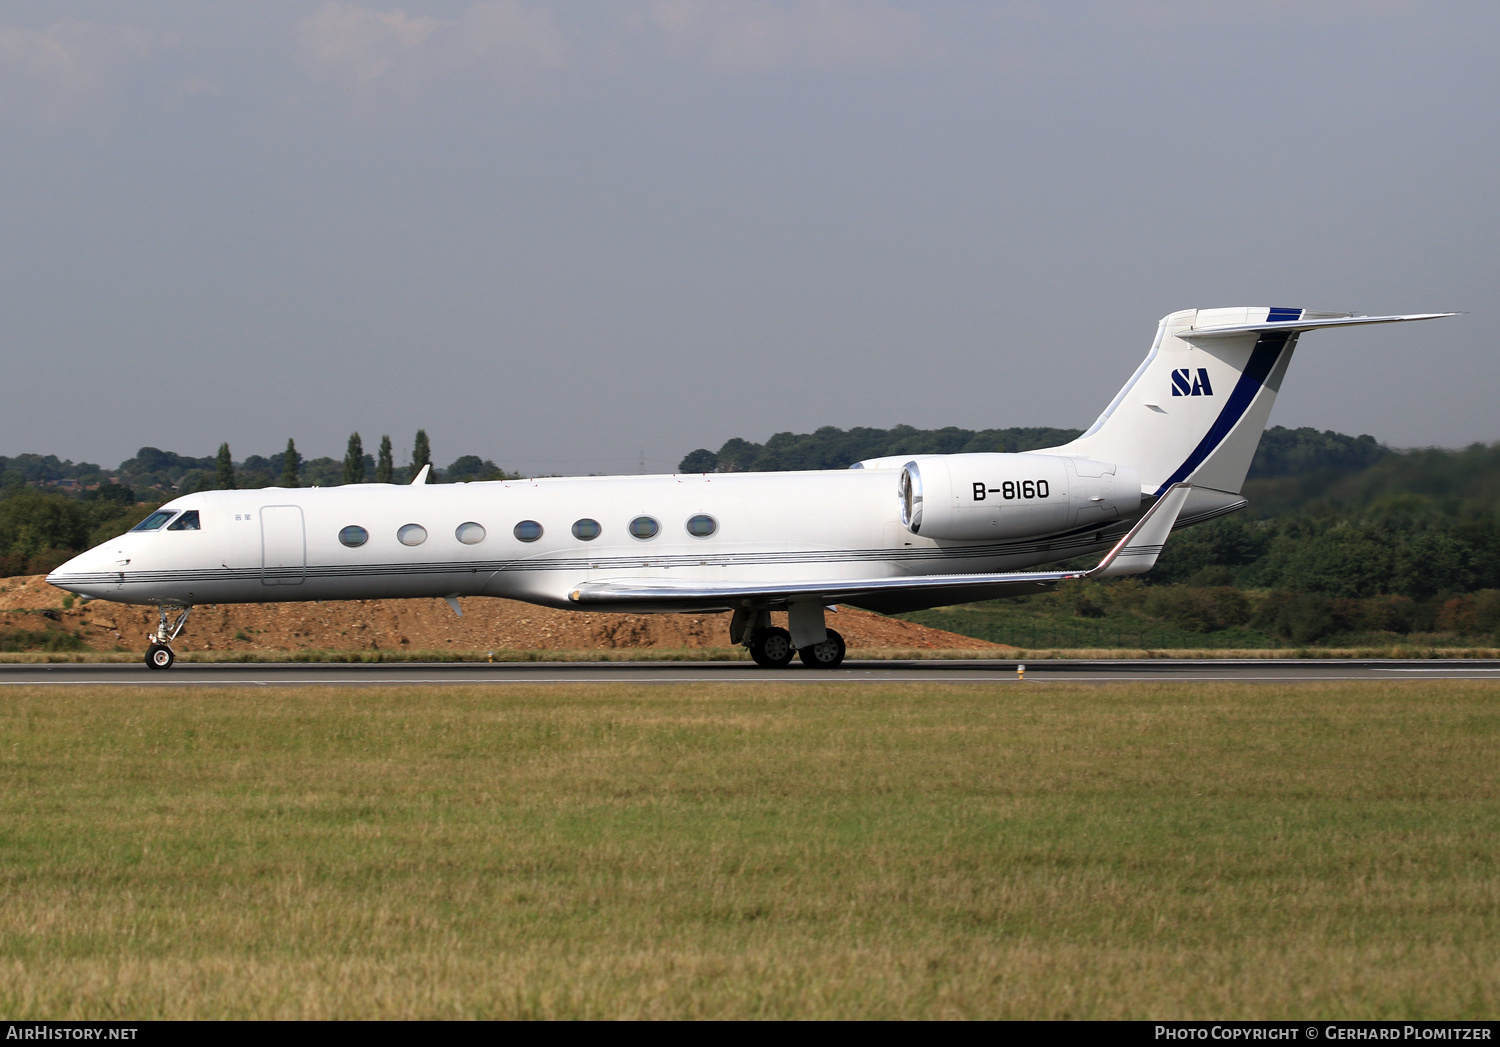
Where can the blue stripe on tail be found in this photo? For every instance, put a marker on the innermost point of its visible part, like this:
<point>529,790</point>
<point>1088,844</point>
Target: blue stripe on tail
<point>1262,359</point>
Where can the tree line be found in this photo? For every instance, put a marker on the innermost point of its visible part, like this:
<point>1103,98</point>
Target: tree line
<point>156,474</point>
<point>1341,534</point>
<point>832,448</point>
<point>41,525</point>
<point>1283,452</point>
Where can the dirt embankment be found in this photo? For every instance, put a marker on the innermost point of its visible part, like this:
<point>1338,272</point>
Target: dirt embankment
<point>30,604</point>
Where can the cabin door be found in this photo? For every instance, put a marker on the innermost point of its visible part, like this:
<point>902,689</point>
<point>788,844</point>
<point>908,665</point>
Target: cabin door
<point>283,545</point>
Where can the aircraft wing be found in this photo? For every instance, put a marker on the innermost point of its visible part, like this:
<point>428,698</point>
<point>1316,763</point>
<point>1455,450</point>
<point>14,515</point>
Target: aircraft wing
<point>1133,554</point>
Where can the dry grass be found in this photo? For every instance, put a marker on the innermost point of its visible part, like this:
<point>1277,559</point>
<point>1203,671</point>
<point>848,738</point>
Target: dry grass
<point>1401,651</point>
<point>768,850</point>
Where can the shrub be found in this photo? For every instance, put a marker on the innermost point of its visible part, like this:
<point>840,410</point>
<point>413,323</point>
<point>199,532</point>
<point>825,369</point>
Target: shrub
<point>32,523</point>
<point>1391,614</point>
<point>44,640</point>
<point>1300,617</point>
<point>1199,610</point>
<point>1487,610</point>
<point>1457,616</point>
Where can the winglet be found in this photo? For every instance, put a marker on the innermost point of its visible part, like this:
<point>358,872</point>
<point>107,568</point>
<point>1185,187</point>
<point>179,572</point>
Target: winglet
<point>1138,550</point>
<point>421,478</point>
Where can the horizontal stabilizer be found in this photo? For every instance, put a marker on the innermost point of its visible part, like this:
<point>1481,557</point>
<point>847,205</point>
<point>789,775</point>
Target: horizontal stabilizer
<point>1225,330</point>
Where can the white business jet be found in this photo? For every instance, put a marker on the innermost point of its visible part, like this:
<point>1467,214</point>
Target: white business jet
<point>889,534</point>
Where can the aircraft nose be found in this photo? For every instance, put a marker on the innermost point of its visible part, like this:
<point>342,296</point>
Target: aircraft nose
<point>87,574</point>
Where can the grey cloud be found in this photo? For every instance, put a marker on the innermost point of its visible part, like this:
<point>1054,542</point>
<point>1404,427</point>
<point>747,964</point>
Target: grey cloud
<point>70,61</point>
<point>752,36</point>
<point>594,229</point>
<point>368,51</point>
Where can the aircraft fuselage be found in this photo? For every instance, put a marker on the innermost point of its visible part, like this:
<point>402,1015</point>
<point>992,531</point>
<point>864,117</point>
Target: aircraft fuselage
<point>279,544</point>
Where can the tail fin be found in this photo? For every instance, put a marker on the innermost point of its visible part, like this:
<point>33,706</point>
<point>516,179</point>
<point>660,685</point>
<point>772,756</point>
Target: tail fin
<point>1196,407</point>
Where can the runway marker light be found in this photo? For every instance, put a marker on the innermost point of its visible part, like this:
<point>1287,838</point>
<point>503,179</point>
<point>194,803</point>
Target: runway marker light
<point>1020,670</point>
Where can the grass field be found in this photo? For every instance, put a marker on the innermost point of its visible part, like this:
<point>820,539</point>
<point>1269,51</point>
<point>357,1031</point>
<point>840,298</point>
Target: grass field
<point>765,850</point>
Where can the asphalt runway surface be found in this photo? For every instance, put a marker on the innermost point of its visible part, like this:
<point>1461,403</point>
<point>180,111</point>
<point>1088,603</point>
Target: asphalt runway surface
<point>253,674</point>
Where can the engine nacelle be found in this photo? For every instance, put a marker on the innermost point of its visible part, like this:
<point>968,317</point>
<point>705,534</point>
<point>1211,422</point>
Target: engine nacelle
<point>976,497</point>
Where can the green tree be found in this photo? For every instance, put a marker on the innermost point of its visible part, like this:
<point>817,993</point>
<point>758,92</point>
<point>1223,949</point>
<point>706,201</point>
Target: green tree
<point>39,531</point>
<point>700,461</point>
<point>291,466</point>
<point>354,460</point>
<point>224,466</point>
<point>469,467</point>
<point>385,465</point>
<point>421,452</point>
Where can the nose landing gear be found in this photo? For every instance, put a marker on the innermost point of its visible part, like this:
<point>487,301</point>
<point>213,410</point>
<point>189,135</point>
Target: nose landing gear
<point>159,655</point>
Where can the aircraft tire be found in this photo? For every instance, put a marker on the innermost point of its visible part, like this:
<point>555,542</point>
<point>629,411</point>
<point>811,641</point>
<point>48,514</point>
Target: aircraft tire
<point>826,655</point>
<point>159,656</point>
<point>772,648</point>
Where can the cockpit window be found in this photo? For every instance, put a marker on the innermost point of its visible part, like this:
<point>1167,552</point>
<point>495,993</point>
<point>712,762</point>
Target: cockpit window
<point>188,521</point>
<point>155,520</point>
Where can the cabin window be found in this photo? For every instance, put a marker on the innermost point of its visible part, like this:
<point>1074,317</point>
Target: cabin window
<point>354,536</point>
<point>188,521</point>
<point>154,521</point>
<point>702,525</point>
<point>528,531</point>
<point>411,534</point>
<point>586,530</point>
<point>643,527</point>
<point>470,533</point>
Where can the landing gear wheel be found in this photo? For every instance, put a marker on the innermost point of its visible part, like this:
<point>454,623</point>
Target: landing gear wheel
<point>826,655</point>
<point>772,648</point>
<point>159,656</point>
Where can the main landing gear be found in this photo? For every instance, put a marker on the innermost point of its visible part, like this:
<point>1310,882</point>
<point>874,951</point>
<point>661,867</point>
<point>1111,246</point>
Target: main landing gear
<point>826,655</point>
<point>159,655</point>
<point>773,647</point>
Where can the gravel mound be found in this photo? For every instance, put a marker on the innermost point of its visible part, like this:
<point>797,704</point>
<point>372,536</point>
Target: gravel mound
<point>30,604</point>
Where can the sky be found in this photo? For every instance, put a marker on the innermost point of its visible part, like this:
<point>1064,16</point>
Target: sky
<point>573,237</point>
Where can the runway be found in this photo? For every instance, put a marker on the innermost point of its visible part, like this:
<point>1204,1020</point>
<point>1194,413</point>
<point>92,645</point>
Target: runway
<point>252,674</point>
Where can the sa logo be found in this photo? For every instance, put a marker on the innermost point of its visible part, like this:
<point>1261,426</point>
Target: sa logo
<point>1184,384</point>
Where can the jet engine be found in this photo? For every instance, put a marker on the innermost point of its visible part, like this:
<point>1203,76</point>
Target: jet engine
<point>978,497</point>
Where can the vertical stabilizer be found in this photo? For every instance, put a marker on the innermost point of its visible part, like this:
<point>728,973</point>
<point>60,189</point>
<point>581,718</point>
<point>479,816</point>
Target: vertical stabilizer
<point>1195,409</point>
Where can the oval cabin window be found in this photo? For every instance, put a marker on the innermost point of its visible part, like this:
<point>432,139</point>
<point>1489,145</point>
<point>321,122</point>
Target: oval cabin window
<point>411,534</point>
<point>528,531</point>
<point>354,536</point>
<point>586,530</point>
<point>470,533</point>
<point>702,525</point>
